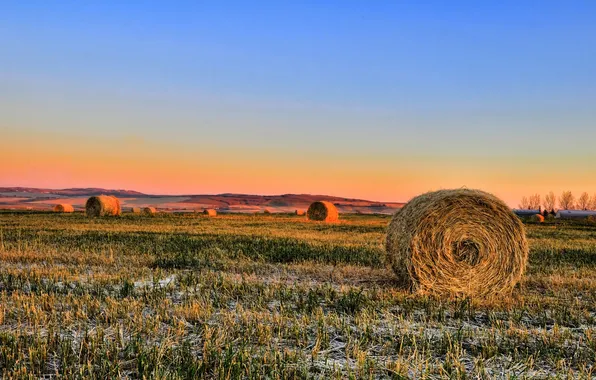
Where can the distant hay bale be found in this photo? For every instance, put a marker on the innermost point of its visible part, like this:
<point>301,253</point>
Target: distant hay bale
<point>63,207</point>
<point>103,205</point>
<point>323,211</point>
<point>149,211</point>
<point>267,211</point>
<point>300,212</point>
<point>457,242</point>
<point>210,212</point>
<point>538,218</point>
<point>136,210</point>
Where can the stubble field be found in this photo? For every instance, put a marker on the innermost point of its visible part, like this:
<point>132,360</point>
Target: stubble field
<point>274,296</point>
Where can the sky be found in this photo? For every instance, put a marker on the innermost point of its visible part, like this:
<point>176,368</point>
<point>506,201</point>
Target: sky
<point>374,100</point>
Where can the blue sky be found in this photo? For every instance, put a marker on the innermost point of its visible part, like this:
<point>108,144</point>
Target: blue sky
<point>388,81</point>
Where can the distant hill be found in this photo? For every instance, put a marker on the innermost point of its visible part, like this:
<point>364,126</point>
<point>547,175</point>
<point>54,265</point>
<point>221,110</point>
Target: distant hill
<point>71,192</point>
<point>44,199</point>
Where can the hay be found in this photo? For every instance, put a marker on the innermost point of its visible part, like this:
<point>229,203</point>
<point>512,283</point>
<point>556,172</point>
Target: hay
<point>458,242</point>
<point>210,212</point>
<point>63,207</point>
<point>300,212</point>
<point>136,210</point>
<point>103,205</point>
<point>267,211</point>
<point>323,211</point>
<point>538,218</point>
<point>149,211</point>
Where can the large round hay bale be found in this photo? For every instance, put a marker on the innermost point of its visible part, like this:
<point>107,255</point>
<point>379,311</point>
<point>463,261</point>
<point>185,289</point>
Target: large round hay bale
<point>149,211</point>
<point>63,207</point>
<point>322,211</point>
<point>458,242</point>
<point>136,210</point>
<point>210,212</point>
<point>103,205</point>
<point>538,218</point>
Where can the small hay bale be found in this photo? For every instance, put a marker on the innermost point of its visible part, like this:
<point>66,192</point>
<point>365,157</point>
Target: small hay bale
<point>267,211</point>
<point>300,212</point>
<point>538,218</point>
<point>63,207</point>
<point>149,211</point>
<point>103,205</point>
<point>135,210</point>
<point>457,242</point>
<point>323,211</point>
<point>210,212</point>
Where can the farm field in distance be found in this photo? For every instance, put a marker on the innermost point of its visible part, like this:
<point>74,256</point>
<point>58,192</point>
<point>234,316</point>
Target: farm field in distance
<point>274,296</point>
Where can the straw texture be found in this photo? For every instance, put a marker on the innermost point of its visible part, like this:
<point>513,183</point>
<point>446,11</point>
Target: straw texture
<point>149,210</point>
<point>457,242</point>
<point>323,211</point>
<point>63,207</point>
<point>103,205</point>
<point>210,212</point>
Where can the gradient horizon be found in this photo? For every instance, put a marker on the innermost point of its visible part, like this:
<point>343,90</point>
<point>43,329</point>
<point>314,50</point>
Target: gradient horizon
<point>380,102</point>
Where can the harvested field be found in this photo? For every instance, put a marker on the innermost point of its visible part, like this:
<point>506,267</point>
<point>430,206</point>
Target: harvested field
<point>275,296</point>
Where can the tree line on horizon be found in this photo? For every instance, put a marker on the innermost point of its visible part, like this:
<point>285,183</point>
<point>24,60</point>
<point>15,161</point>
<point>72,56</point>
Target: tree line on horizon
<point>566,201</point>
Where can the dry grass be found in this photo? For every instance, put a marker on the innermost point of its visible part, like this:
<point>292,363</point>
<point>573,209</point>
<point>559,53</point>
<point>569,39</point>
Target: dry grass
<point>103,205</point>
<point>323,211</point>
<point>462,242</point>
<point>63,207</point>
<point>255,296</point>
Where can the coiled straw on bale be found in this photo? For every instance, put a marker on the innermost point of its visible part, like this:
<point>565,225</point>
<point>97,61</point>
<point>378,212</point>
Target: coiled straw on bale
<point>103,205</point>
<point>323,211</point>
<point>458,242</point>
<point>210,212</point>
<point>149,210</point>
<point>63,207</point>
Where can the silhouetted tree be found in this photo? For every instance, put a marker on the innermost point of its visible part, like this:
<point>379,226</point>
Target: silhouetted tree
<point>567,200</point>
<point>524,204</point>
<point>593,202</point>
<point>550,201</point>
<point>583,203</point>
<point>534,202</point>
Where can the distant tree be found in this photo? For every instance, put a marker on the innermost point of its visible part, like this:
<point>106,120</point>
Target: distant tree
<point>567,200</point>
<point>583,203</point>
<point>524,204</point>
<point>534,202</point>
<point>593,202</point>
<point>550,201</point>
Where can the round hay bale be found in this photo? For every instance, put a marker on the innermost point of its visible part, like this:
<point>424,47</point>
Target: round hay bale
<point>267,211</point>
<point>300,212</point>
<point>538,218</point>
<point>135,210</point>
<point>103,205</point>
<point>210,212</point>
<point>457,242</point>
<point>63,207</point>
<point>149,211</point>
<point>323,211</point>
